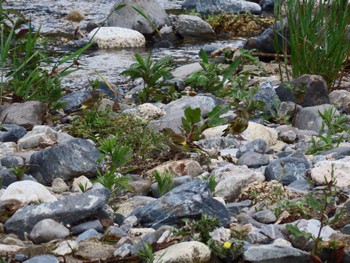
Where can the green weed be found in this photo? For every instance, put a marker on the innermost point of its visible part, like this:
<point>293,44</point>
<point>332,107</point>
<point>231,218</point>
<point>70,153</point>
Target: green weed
<point>164,180</point>
<point>333,131</point>
<point>155,77</point>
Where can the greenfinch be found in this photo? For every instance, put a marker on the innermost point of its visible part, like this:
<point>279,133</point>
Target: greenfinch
<point>239,123</point>
<point>179,143</point>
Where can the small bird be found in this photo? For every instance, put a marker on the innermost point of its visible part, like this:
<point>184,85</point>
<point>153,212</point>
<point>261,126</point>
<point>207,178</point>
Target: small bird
<point>179,143</point>
<point>239,124</point>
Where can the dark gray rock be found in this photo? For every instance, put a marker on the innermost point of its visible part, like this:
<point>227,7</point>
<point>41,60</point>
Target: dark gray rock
<point>312,89</point>
<point>265,216</point>
<point>127,17</point>
<point>258,146</point>
<point>42,259</point>
<point>265,41</point>
<point>11,161</point>
<point>47,230</point>
<point>11,132</point>
<point>253,160</point>
<point>346,229</point>
<point>7,177</point>
<point>264,235</point>
<point>73,100</point>
<point>267,94</point>
<point>90,233</point>
<point>267,5</point>
<point>300,185</point>
<point>227,6</point>
<point>285,94</point>
<point>337,153</point>
<point>26,114</point>
<point>68,160</point>
<point>69,210</point>
<point>193,27</point>
<point>235,208</point>
<point>95,224</point>
<point>177,181</point>
<point>189,200</point>
<point>287,170</point>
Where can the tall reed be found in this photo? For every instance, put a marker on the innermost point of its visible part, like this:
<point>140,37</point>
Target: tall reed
<point>316,39</point>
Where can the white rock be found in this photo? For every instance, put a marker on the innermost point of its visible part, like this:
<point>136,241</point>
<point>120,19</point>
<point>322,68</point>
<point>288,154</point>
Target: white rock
<point>83,181</point>
<point>114,37</point>
<point>323,169</point>
<point>313,226</point>
<point>146,112</point>
<point>40,136</point>
<point>253,132</point>
<point>9,249</point>
<point>185,252</point>
<point>27,192</point>
<point>233,179</point>
<point>65,247</point>
<point>179,168</point>
<point>7,148</point>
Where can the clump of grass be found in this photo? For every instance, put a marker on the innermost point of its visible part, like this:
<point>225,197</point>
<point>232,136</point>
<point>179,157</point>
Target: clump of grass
<point>164,180</point>
<point>144,143</point>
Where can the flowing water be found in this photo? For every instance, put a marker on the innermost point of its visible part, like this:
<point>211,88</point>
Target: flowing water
<point>49,16</point>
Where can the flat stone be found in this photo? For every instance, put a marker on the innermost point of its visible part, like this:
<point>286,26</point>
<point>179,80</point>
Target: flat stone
<point>188,200</point>
<point>192,251</point>
<point>233,179</point>
<point>47,230</point>
<point>27,192</point>
<point>69,210</point>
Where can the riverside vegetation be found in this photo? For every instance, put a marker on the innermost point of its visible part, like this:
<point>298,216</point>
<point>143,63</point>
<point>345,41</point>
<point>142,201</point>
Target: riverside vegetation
<point>31,71</point>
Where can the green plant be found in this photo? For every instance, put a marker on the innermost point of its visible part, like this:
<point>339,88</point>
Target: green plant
<point>146,254</point>
<point>211,182</point>
<point>19,171</point>
<point>199,229</point>
<point>229,250</point>
<point>328,136</point>
<point>27,64</point>
<point>191,122</point>
<point>83,187</point>
<point>164,180</point>
<point>321,208</point>
<point>155,77</point>
<point>115,157</point>
<point>316,39</point>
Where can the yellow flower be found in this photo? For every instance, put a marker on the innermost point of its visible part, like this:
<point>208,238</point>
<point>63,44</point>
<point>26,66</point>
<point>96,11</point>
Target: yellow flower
<point>227,245</point>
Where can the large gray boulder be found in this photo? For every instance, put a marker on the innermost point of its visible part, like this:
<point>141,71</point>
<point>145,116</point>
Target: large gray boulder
<point>69,210</point>
<point>127,17</point>
<point>193,27</point>
<point>68,160</point>
<point>175,111</point>
<point>26,114</point>
<point>227,6</point>
<point>190,200</point>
